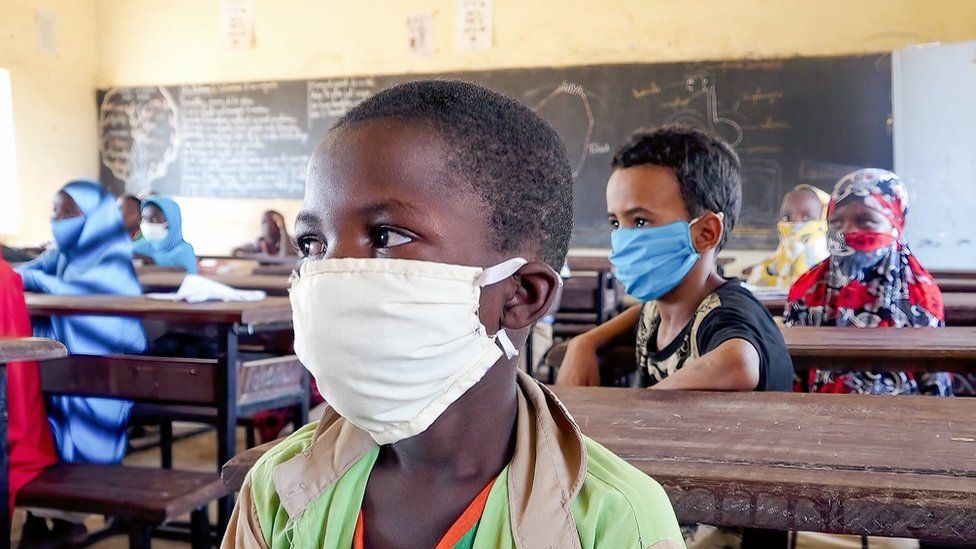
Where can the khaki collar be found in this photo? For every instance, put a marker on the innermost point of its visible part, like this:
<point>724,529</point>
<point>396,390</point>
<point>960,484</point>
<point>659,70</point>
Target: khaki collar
<point>546,472</point>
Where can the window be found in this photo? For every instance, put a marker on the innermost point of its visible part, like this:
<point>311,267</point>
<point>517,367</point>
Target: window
<point>9,206</point>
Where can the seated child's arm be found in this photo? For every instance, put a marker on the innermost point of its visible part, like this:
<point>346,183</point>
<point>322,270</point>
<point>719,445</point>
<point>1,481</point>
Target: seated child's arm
<point>732,366</point>
<point>581,366</point>
<point>734,352</point>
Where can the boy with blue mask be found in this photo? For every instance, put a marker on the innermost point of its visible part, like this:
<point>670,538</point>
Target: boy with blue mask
<point>436,215</point>
<point>672,200</point>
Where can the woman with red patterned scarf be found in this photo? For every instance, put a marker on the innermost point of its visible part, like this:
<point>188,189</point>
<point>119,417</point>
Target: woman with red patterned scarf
<point>870,280</point>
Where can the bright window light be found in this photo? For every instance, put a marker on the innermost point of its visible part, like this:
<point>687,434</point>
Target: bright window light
<point>9,206</point>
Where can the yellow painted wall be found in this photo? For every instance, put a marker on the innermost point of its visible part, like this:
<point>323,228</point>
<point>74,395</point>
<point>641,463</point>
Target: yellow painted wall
<point>54,109</point>
<point>152,42</point>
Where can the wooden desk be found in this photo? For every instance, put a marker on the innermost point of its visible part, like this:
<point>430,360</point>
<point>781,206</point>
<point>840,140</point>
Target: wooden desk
<point>961,284</point>
<point>279,270</point>
<point>23,349</point>
<point>916,350</point>
<point>960,308</point>
<point>919,350</point>
<point>260,258</point>
<point>170,282</point>
<point>942,274</point>
<point>230,319</point>
<point>248,315</point>
<point>848,464</point>
<point>16,350</point>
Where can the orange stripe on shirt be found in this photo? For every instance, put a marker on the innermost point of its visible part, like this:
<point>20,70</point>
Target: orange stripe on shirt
<point>456,533</point>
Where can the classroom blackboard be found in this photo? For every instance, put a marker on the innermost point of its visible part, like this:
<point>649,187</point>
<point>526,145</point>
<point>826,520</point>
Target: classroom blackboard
<point>804,120</point>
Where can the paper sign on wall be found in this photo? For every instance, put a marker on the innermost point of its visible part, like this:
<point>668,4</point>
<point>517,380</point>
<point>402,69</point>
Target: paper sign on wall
<point>237,23</point>
<point>419,35</point>
<point>474,24</point>
<point>46,24</point>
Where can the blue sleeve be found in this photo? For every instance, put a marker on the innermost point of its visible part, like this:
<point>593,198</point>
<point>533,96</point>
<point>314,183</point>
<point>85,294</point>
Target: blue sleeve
<point>47,262</point>
<point>181,256</point>
<point>142,247</point>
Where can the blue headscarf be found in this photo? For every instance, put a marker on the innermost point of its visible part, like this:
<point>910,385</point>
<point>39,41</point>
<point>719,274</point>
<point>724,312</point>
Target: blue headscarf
<point>99,262</point>
<point>172,251</point>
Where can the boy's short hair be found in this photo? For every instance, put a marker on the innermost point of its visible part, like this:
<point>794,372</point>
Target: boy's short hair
<point>513,159</point>
<point>510,156</point>
<point>707,168</point>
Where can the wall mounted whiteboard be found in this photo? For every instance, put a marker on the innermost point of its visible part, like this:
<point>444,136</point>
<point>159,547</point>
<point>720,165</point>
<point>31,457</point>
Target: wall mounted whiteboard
<point>934,110</point>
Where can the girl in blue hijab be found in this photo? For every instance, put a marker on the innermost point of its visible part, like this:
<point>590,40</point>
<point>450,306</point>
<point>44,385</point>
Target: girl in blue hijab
<point>93,255</point>
<point>162,231</point>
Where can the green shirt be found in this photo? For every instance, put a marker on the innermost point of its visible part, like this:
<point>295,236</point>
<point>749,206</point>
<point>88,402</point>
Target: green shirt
<point>617,506</point>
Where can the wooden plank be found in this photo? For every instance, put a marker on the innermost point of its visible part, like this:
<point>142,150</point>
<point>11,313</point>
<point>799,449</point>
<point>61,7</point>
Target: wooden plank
<point>948,285</point>
<point>274,285</point>
<point>960,308</point>
<point>596,263</point>
<point>916,350</point>
<point>140,378</point>
<point>269,310</point>
<point>20,349</point>
<point>136,493</point>
<point>284,270</point>
<point>852,464</point>
<point>941,274</point>
<point>902,466</point>
<point>260,258</point>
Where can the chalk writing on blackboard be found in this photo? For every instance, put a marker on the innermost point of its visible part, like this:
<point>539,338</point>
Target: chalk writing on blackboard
<point>700,108</point>
<point>650,89</point>
<point>334,97</point>
<point>578,98</point>
<point>239,142</point>
<point>138,134</point>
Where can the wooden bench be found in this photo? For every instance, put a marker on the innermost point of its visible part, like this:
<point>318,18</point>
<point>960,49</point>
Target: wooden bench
<point>847,464</point>
<point>141,498</point>
<point>16,349</point>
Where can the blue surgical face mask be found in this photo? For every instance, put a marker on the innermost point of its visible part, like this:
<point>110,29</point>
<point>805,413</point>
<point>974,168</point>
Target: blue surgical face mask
<point>67,231</point>
<point>650,262</point>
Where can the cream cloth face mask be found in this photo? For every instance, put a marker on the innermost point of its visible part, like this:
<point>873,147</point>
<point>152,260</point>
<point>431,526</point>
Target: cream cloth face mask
<point>392,343</point>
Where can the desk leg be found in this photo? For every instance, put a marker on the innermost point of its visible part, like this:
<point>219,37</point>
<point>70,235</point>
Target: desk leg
<point>227,418</point>
<point>4,463</point>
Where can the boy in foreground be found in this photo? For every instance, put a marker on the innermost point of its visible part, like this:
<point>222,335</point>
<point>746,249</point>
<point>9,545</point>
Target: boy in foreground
<point>436,216</point>
<point>672,200</point>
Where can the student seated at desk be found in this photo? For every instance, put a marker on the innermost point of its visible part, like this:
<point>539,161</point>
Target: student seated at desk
<point>802,232</point>
<point>274,239</point>
<point>436,215</point>
<point>162,230</point>
<point>870,280</point>
<point>92,255</point>
<point>673,199</point>
<point>131,208</point>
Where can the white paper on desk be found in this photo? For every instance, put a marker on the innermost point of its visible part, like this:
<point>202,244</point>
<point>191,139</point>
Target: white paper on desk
<point>197,289</point>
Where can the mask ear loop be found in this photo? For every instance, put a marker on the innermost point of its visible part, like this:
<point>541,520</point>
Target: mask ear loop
<point>502,338</point>
<point>494,275</point>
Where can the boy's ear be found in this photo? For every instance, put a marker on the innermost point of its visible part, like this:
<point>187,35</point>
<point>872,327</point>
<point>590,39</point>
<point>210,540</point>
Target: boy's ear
<point>707,233</point>
<point>537,287</point>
